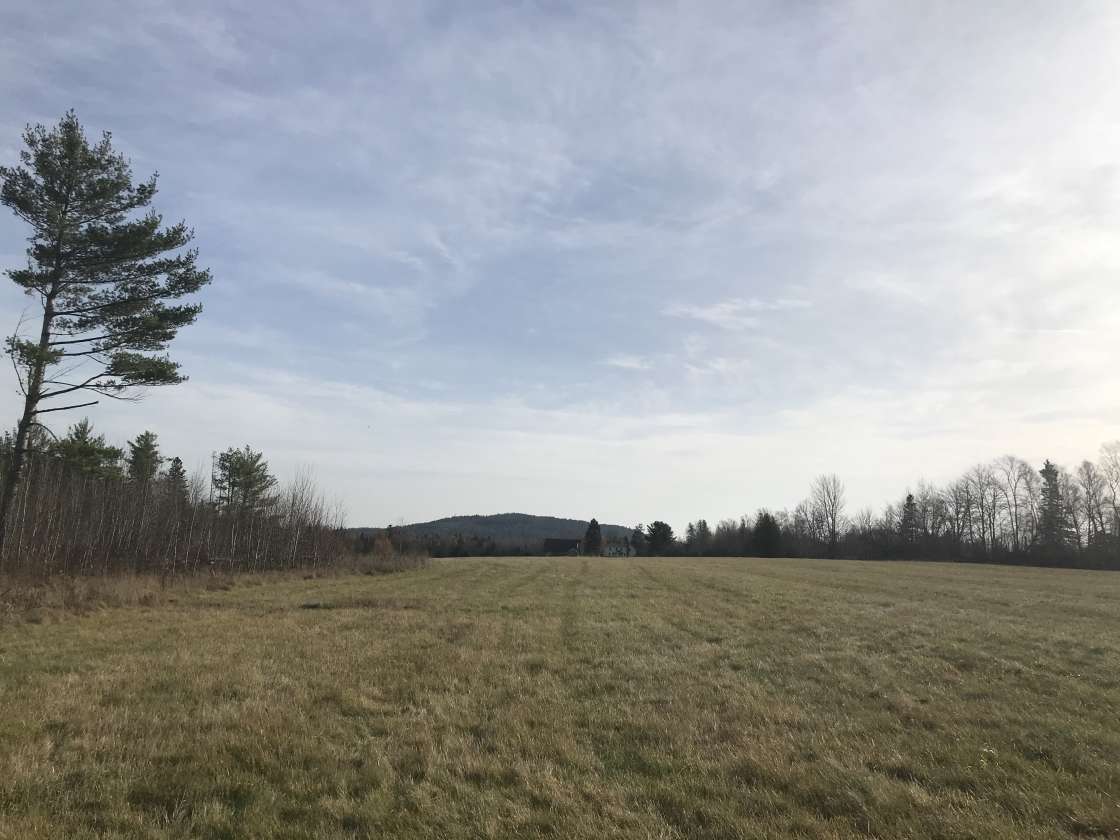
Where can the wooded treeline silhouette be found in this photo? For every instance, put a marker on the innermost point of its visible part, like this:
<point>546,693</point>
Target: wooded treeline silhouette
<point>84,506</point>
<point>1004,511</point>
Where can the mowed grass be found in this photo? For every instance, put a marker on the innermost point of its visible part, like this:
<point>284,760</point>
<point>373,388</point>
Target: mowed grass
<point>577,698</point>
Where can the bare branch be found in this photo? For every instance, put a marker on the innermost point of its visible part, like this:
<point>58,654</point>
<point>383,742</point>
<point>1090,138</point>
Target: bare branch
<point>90,384</point>
<point>64,407</point>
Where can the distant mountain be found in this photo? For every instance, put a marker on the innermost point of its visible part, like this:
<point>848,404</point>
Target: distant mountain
<point>504,528</point>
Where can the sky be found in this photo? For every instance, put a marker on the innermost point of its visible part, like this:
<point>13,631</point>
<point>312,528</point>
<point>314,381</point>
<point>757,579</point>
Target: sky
<point>630,260</point>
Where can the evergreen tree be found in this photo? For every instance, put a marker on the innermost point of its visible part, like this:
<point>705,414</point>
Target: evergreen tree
<point>593,538</point>
<point>767,535</point>
<point>745,536</point>
<point>87,452</point>
<point>908,523</point>
<point>39,439</point>
<point>659,537</point>
<point>101,276</point>
<point>638,539</point>
<point>177,479</point>
<point>143,457</point>
<point>242,481</point>
<point>702,536</point>
<point>1053,526</point>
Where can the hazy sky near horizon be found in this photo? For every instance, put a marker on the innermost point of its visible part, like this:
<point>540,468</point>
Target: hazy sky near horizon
<point>632,260</point>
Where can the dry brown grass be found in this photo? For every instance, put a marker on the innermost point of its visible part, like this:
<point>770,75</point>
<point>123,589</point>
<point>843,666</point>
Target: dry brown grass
<point>576,698</point>
<point>34,600</point>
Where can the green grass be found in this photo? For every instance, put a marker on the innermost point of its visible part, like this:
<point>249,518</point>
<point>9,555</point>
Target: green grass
<point>577,698</point>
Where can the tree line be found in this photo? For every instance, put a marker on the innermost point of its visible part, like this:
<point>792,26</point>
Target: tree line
<point>367,541</point>
<point>85,506</point>
<point>1003,511</point>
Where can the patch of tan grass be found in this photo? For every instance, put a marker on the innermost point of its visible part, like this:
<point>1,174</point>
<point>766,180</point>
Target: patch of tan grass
<point>576,698</point>
<point>35,600</point>
<point>29,600</point>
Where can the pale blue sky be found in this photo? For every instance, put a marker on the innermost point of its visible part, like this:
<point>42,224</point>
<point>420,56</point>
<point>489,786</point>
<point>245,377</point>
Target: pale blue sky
<point>626,260</point>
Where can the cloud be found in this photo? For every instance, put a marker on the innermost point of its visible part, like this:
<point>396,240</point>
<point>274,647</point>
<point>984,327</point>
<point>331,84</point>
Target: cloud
<point>628,362</point>
<point>736,313</point>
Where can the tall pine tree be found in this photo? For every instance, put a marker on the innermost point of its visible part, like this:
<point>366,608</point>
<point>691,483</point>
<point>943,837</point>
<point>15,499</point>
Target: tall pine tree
<point>909,527</point>
<point>767,535</point>
<point>88,453</point>
<point>242,481</point>
<point>638,539</point>
<point>659,537</point>
<point>593,538</point>
<point>703,536</point>
<point>101,274</point>
<point>177,480</point>
<point>1053,525</point>
<point>143,457</point>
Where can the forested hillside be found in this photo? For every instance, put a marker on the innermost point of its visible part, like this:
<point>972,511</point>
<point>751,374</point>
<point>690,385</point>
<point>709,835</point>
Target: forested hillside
<point>502,533</point>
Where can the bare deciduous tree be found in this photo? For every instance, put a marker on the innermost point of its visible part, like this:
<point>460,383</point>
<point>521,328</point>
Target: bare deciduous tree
<point>827,506</point>
<point>1110,472</point>
<point>1094,500</point>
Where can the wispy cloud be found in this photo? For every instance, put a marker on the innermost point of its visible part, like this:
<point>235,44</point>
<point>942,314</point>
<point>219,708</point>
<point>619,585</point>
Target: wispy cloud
<point>735,313</point>
<point>628,361</point>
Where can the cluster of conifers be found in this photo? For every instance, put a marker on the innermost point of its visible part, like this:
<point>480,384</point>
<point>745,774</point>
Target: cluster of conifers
<point>84,507</point>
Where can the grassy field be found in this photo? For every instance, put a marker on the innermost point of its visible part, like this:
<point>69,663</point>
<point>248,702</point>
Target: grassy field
<point>577,698</point>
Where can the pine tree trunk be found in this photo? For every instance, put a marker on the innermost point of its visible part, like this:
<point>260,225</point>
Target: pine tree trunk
<point>23,429</point>
<point>34,389</point>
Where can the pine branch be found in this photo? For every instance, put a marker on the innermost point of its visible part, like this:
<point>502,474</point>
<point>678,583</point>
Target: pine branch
<point>127,302</point>
<point>64,407</point>
<point>147,271</point>
<point>105,337</point>
<point>89,384</point>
